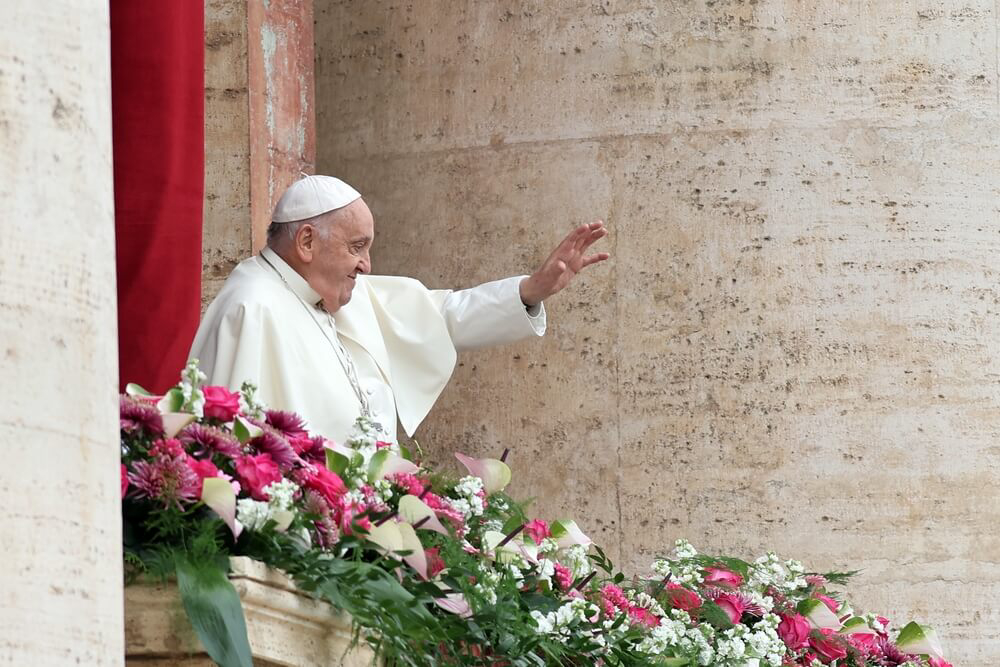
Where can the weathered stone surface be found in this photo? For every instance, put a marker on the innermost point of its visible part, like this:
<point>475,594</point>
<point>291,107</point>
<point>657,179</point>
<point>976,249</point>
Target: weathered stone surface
<point>259,123</point>
<point>60,554</point>
<point>285,627</point>
<point>792,347</point>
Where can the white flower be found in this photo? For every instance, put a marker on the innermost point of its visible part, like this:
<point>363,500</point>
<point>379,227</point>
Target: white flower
<point>561,621</point>
<point>575,558</point>
<point>281,494</point>
<point>546,569</point>
<point>253,514</point>
<point>683,549</point>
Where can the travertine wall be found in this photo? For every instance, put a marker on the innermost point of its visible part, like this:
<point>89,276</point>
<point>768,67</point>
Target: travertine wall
<point>794,344</point>
<point>60,549</point>
<point>259,122</point>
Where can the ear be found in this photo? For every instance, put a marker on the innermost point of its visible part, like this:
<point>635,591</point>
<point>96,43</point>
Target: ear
<point>305,243</point>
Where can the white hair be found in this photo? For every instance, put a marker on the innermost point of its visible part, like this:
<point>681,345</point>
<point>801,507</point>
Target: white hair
<point>281,232</point>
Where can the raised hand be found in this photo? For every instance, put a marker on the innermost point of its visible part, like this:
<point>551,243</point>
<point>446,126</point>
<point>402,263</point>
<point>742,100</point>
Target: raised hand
<point>567,260</point>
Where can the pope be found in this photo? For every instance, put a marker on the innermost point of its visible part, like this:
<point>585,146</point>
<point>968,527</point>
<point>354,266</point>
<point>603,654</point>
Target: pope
<point>307,322</point>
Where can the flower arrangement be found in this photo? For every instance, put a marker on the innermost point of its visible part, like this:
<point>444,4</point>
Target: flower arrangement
<point>441,571</point>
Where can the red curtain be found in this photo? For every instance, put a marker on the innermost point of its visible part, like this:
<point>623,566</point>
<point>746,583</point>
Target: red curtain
<point>157,94</point>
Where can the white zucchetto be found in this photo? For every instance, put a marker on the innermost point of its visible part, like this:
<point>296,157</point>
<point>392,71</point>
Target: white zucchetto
<point>311,196</point>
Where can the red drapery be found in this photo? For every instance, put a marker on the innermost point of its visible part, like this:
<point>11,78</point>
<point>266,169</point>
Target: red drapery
<point>157,93</point>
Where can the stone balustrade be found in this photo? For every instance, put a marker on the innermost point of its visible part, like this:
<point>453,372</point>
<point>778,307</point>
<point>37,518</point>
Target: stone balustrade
<point>285,626</point>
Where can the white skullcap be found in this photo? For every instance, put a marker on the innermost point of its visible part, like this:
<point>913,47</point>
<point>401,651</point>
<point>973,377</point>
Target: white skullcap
<point>312,196</point>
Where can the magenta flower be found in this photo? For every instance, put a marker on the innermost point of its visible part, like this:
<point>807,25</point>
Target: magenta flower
<point>209,440</point>
<point>409,483</point>
<point>828,646</point>
<point>794,631</point>
<point>220,403</point>
<point>733,603</point>
<point>256,473</point>
<point>682,598</point>
<point>326,483</point>
<point>274,444</point>
<point>537,530</point>
<point>310,450</point>
<point>138,418</point>
<point>612,599</point>
<point>325,531</point>
<point>289,424</point>
<point>563,576</point>
<point>830,603</point>
<point>124,480</point>
<point>167,476</point>
<point>719,576</point>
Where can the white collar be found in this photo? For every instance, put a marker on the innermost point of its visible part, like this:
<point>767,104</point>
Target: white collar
<point>293,278</point>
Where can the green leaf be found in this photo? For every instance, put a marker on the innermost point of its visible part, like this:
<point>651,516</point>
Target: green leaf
<point>567,534</point>
<point>244,430</point>
<point>819,615</point>
<point>495,474</point>
<point>915,638</point>
<point>172,401</point>
<point>337,462</point>
<point>132,389</point>
<point>376,462</point>
<point>215,611</point>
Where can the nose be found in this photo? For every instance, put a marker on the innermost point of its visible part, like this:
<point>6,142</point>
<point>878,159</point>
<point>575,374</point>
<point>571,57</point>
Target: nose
<point>365,263</point>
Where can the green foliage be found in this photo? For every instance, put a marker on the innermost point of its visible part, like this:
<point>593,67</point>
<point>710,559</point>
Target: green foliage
<point>214,609</point>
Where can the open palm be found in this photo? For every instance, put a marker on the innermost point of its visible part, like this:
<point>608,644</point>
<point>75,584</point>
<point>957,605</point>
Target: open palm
<point>568,259</point>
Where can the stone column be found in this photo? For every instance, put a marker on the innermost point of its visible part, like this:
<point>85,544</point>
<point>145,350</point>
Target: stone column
<point>794,346</point>
<point>60,555</point>
<point>259,122</point>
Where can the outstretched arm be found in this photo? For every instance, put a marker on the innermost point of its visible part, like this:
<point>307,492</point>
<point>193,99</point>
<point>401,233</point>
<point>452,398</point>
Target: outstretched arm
<point>567,260</point>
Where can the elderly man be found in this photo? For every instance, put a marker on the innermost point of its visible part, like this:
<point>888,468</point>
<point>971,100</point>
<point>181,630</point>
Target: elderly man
<point>306,322</point>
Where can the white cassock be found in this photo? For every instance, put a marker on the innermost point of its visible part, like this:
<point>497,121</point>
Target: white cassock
<point>401,336</point>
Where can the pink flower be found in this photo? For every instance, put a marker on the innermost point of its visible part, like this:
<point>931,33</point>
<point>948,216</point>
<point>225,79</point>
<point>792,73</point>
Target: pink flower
<point>203,468</point>
<point>794,631</point>
<point>271,442</point>
<point>939,662</point>
<point>382,444</point>
<point>864,642</point>
<point>827,645</point>
<point>831,604</point>
<point>537,530</point>
<point>733,604</point>
<point>124,480</point>
<point>434,562</point>
<point>166,476</point>
<point>220,403</point>
<point>256,473</point>
<point>409,483</point>
<point>352,516</point>
<point>290,424</point>
<point>643,616</point>
<point>209,440</point>
<point>327,483</point>
<point>682,598</point>
<point>722,577</point>
<point>137,417</point>
<point>612,599</point>
<point>563,576</point>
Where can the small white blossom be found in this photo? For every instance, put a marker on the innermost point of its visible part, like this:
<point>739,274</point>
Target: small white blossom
<point>253,514</point>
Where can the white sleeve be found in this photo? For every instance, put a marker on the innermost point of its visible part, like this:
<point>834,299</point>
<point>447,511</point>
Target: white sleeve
<point>489,314</point>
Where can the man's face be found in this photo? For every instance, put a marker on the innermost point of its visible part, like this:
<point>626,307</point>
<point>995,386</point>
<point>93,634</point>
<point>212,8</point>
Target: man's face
<point>342,253</point>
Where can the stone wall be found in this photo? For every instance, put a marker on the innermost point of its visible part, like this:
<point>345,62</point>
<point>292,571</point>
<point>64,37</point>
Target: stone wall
<point>793,346</point>
<point>60,553</point>
<point>259,122</point>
